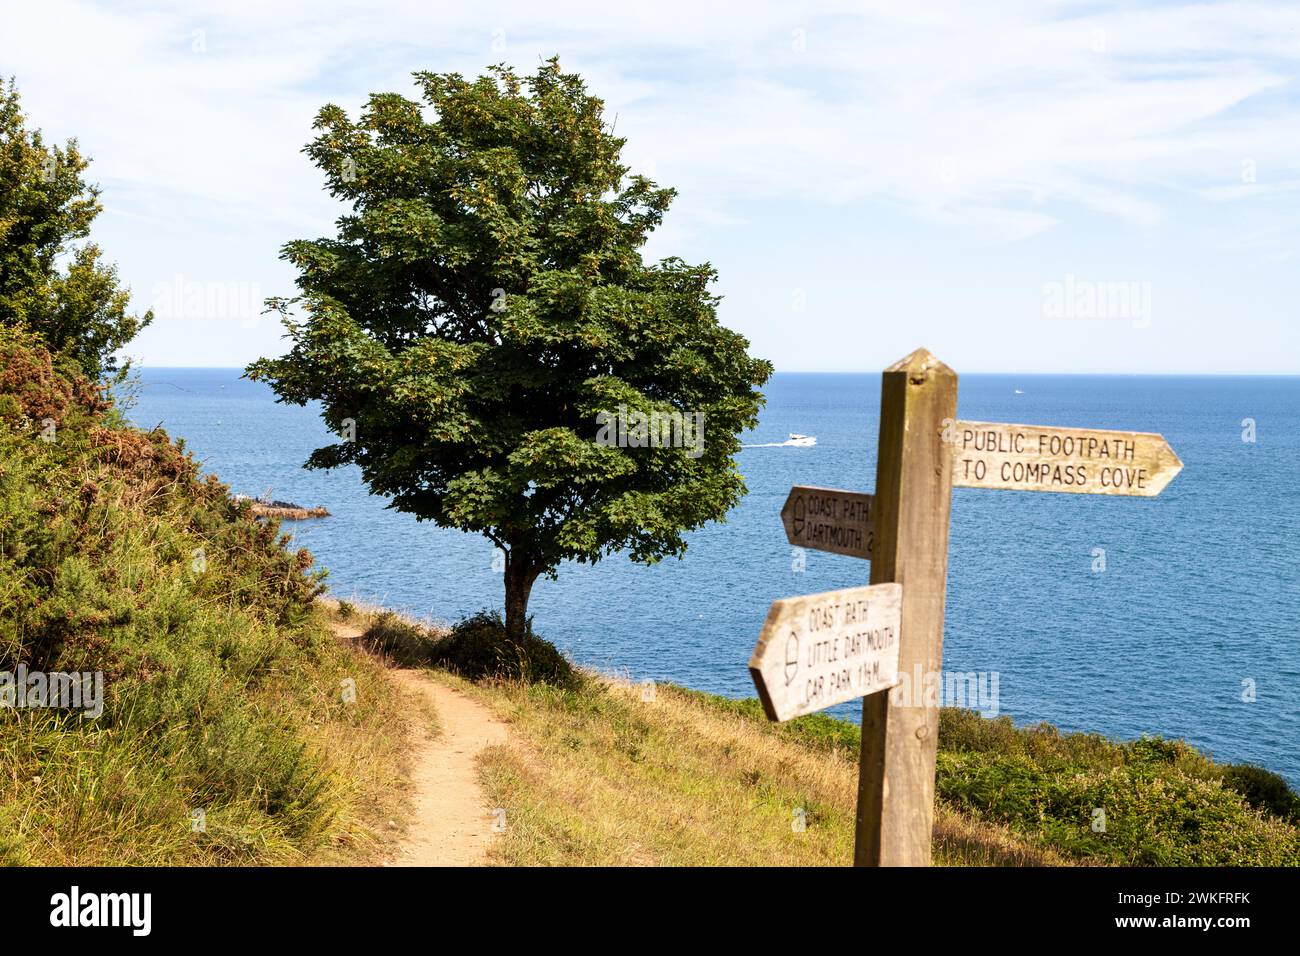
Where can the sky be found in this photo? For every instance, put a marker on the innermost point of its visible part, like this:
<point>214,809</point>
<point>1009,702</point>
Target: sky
<point>1017,186</point>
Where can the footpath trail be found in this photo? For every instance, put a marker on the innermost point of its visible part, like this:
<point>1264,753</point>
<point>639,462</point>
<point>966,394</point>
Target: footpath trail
<point>451,823</point>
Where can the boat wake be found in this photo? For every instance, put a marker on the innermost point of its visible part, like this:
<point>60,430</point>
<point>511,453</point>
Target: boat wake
<point>794,441</point>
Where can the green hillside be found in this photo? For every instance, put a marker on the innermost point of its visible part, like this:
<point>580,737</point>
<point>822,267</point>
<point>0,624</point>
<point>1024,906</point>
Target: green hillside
<point>225,736</point>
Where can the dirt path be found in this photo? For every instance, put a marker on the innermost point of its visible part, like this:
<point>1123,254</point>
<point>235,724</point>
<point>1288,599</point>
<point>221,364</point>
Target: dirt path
<point>451,823</point>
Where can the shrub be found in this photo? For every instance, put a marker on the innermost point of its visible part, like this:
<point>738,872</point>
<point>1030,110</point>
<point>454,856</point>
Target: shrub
<point>1164,818</point>
<point>396,637</point>
<point>1263,790</point>
<point>477,648</point>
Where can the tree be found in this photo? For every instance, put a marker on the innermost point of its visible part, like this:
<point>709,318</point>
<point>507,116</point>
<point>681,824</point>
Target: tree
<point>50,285</point>
<point>483,332</point>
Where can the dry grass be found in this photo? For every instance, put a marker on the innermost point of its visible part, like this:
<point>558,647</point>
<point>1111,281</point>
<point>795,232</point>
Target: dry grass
<point>367,763</point>
<point>371,768</point>
<point>600,777</point>
<point>116,799</point>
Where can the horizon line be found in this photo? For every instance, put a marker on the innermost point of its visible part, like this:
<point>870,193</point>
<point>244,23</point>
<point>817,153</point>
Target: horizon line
<point>794,371</point>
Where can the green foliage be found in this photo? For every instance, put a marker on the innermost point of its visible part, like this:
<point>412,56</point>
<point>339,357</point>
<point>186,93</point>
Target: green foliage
<point>1264,790</point>
<point>478,647</point>
<point>115,557</point>
<point>815,730</point>
<point>1152,817</point>
<point>484,299</point>
<point>1165,803</point>
<point>404,641</point>
<point>46,209</point>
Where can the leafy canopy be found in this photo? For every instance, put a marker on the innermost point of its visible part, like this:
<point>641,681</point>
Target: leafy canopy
<point>49,284</point>
<point>485,298</point>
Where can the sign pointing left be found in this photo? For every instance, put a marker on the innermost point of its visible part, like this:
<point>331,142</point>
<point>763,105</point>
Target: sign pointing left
<point>830,519</point>
<point>824,649</point>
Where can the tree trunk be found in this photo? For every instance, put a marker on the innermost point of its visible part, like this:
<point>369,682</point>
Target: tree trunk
<point>519,585</point>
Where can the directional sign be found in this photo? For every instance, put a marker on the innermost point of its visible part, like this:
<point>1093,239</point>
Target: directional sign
<point>824,649</point>
<point>829,519</point>
<point>1079,460</point>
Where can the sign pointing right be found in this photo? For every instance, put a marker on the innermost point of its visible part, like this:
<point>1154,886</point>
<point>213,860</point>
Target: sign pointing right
<point>1077,460</point>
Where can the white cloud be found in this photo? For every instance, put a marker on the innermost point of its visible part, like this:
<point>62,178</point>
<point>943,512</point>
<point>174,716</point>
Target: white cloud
<point>992,119</point>
<point>956,107</point>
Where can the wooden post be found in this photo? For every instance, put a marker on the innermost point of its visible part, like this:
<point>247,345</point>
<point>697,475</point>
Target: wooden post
<point>912,504</point>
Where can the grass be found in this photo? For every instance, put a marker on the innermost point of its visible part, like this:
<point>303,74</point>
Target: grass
<point>599,773</point>
<point>235,729</point>
<point>598,776</point>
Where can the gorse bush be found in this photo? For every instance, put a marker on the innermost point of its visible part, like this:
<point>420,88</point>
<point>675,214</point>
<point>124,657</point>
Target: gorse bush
<point>1133,815</point>
<point>1264,790</point>
<point>116,557</point>
<point>1144,802</point>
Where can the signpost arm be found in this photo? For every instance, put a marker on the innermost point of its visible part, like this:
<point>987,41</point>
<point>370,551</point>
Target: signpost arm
<point>912,504</point>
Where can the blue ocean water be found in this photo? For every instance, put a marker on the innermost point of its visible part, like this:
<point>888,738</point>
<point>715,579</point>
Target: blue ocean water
<point>1197,604</point>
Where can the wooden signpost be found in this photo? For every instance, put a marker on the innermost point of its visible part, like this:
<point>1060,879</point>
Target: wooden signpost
<point>824,649</point>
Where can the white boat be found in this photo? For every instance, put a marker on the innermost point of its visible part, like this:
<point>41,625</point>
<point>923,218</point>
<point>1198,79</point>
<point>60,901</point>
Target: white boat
<point>794,441</point>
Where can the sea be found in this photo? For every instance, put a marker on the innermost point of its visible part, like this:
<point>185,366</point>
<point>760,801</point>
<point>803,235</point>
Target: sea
<point>1173,616</point>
